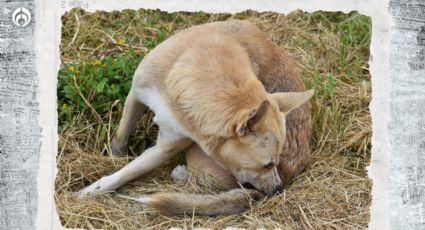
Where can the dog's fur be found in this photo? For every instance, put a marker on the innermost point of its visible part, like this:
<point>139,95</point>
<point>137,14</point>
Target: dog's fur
<point>218,87</point>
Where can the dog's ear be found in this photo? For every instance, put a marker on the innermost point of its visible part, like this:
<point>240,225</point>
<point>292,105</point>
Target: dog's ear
<point>289,101</point>
<point>248,120</point>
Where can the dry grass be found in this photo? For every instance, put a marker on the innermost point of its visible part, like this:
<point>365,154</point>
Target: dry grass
<point>334,191</point>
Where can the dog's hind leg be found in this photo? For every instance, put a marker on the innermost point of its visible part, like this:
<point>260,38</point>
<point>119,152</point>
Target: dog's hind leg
<point>168,144</point>
<point>133,110</point>
<point>205,170</point>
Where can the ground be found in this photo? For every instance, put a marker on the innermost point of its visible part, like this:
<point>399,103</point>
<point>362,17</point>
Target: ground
<point>99,53</point>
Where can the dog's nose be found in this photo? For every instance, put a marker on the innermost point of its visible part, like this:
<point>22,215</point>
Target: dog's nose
<point>248,185</point>
<point>279,189</point>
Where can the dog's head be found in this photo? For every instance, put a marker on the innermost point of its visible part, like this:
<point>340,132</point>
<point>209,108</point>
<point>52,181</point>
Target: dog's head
<point>252,154</point>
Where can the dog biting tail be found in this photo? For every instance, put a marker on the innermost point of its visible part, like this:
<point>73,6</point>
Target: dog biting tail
<point>177,204</point>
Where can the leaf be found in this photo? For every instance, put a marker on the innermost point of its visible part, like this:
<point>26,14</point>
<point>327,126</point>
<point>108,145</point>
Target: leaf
<point>100,86</point>
<point>103,133</point>
<point>68,92</point>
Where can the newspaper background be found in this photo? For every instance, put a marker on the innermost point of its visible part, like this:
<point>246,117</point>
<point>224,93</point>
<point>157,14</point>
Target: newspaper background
<point>406,182</point>
<point>19,111</point>
<point>19,103</point>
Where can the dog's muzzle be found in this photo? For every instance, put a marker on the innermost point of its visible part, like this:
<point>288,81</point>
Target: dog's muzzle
<point>279,189</point>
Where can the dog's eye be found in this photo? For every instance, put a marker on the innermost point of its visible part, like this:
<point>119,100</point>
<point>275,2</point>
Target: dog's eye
<point>269,165</point>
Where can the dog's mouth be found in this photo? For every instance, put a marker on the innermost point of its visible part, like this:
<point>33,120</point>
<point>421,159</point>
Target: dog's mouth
<point>248,185</point>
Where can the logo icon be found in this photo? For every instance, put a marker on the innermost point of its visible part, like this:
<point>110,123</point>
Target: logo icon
<point>21,17</point>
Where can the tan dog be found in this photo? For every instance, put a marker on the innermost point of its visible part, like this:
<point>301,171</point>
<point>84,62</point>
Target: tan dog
<point>212,85</point>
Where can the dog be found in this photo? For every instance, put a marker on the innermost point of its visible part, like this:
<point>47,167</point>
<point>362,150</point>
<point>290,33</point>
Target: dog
<point>231,98</point>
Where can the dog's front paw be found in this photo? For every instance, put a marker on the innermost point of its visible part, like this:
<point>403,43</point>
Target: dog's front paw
<point>92,189</point>
<point>105,184</point>
<point>180,174</point>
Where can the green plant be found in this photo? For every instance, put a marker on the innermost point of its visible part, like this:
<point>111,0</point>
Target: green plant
<point>98,82</point>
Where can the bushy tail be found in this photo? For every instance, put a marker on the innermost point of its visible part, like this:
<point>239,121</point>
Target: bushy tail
<point>230,202</point>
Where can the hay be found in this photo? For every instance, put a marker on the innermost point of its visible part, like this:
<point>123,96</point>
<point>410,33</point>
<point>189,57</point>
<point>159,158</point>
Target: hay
<point>334,191</point>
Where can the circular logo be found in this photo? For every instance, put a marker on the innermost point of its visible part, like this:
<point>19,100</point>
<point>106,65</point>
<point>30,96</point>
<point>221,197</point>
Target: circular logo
<point>21,17</point>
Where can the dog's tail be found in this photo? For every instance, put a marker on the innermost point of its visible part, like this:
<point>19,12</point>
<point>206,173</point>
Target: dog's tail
<point>176,204</point>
